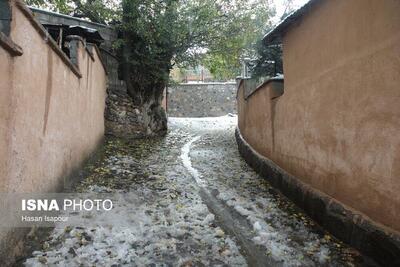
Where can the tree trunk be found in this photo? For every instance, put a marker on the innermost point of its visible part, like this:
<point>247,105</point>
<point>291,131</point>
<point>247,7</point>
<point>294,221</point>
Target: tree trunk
<point>154,116</point>
<point>145,81</point>
<point>147,96</point>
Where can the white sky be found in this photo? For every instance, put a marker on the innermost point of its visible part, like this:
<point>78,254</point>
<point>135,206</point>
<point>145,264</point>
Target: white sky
<point>280,7</point>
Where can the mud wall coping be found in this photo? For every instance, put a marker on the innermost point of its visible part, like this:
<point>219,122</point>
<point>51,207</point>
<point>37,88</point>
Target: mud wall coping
<point>250,85</point>
<point>9,45</point>
<point>90,48</point>
<point>201,84</point>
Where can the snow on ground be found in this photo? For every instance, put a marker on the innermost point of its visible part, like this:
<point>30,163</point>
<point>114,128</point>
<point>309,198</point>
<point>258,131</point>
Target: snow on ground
<point>204,124</point>
<point>165,222</point>
<point>169,224</point>
<point>289,236</point>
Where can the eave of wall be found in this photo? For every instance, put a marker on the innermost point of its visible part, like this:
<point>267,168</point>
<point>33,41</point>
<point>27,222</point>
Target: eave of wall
<point>42,31</point>
<point>38,10</point>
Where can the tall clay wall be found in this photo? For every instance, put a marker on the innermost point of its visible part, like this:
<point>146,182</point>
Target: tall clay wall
<point>336,127</point>
<point>51,108</point>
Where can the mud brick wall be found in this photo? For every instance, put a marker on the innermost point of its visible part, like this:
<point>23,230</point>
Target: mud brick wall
<point>52,110</point>
<point>336,125</point>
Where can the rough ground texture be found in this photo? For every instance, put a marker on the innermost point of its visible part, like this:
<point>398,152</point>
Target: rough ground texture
<point>195,202</point>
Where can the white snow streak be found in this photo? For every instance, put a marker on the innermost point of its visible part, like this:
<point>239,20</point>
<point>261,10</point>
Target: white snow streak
<point>188,164</point>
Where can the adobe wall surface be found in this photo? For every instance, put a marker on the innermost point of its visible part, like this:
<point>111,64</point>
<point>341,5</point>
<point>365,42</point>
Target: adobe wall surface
<point>56,117</point>
<point>201,100</point>
<point>336,126</point>
<point>51,113</point>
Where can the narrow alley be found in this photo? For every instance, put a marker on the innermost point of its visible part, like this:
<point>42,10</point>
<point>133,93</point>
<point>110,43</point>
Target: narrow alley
<point>195,203</point>
<point>199,133</point>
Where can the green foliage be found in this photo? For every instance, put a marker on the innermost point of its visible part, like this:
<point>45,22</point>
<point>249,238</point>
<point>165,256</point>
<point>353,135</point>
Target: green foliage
<point>246,22</point>
<point>54,5</point>
<point>158,34</point>
<point>223,67</point>
<point>101,11</point>
<point>268,62</point>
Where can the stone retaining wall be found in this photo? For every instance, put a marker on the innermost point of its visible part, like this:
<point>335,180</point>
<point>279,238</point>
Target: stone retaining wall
<point>201,100</point>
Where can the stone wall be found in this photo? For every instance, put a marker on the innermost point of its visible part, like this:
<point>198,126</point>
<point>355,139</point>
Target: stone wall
<point>122,117</point>
<point>51,111</point>
<point>201,100</point>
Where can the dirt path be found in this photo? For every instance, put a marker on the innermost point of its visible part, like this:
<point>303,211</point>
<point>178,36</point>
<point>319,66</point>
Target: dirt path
<point>192,202</point>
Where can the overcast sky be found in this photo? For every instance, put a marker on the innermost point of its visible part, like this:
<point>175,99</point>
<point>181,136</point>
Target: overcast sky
<point>280,7</point>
